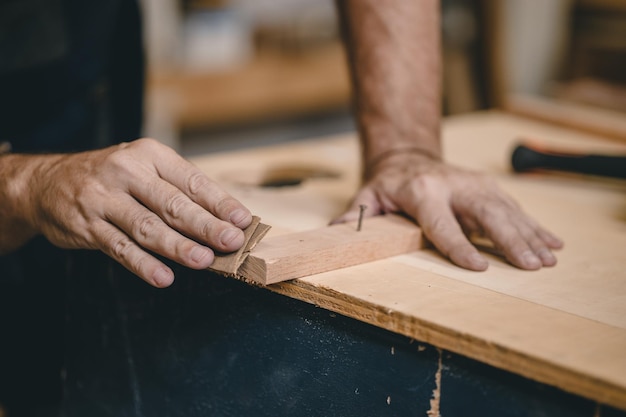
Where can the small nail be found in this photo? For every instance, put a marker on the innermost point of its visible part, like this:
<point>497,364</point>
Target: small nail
<point>228,236</point>
<point>199,254</point>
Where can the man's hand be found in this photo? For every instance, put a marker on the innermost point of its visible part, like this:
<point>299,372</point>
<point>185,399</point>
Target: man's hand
<point>449,204</point>
<point>128,201</point>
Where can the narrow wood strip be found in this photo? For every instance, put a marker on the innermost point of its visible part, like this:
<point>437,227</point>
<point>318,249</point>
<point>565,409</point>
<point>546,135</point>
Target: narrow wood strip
<point>302,254</point>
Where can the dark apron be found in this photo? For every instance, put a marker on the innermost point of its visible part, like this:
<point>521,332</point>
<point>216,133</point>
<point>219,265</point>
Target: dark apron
<point>71,79</point>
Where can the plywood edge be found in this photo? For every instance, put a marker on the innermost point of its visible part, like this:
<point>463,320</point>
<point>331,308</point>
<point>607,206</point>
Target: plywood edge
<point>307,253</point>
<point>503,357</point>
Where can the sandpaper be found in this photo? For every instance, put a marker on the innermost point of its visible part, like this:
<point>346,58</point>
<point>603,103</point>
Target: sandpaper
<point>229,263</point>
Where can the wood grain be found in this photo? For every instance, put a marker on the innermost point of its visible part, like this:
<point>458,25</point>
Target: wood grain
<point>307,253</point>
<point>272,85</point>
<point>564,326</point>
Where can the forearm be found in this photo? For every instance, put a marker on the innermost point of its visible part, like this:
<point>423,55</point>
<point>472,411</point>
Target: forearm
<point>395,63</point>
<point>16,211</point>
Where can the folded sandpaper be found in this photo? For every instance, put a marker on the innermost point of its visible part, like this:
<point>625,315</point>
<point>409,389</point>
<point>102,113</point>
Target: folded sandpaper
<point>229,263</point>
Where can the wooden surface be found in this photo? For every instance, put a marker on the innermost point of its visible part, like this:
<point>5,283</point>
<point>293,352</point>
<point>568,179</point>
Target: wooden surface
<point>565,326</point>
<point>272,85</point>
<point>598,121</point>
<point>296,255</point>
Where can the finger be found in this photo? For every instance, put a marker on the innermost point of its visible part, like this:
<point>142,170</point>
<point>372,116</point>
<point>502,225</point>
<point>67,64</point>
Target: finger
<point>122,249</point>
<point>150,232</point>
<point>540,240</point>
<point>443,230</point>
<point>550,239</point>
<point>537,245</point>
<point>469,226</point>
<point>502,227</point>
<point>184,215</point>
<point>198,187</point>
<point>365,197</point>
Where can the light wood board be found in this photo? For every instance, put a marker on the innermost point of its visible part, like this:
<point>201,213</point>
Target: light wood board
<point>564,326</point>
<point>301,254</point>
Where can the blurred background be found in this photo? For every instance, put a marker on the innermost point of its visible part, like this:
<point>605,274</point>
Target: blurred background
<point>225,74</point>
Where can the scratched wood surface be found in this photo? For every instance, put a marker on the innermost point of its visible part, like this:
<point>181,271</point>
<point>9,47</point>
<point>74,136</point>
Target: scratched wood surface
<point>565,326</point>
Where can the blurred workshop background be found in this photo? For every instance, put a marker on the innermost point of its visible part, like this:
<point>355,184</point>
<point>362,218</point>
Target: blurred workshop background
<point>225,74</point>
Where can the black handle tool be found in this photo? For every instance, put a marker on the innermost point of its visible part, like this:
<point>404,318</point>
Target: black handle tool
<point>528,158</point>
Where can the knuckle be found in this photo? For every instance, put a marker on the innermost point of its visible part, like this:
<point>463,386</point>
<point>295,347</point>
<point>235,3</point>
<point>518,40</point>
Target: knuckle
<point>437,226</point>
<point>182,249</point>
<point>457,249</point>
<point>209,230</point>
<point>145,146</point>
<point>144,226</point>
<point>175,205</point>
<point>424,183</point>
<point>120,249</point>
<point>197,182</point>
<point>89,192</point>
<point>147,143</point>
<point>225,205</point>
<point>118,160</point>
<point>427,186</point>
<point>491,211</point>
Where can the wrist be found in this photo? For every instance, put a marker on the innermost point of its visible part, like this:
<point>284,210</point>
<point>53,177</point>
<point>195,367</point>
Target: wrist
<point>20,187</point>
<point>15,225</point>
<point>398,156</point>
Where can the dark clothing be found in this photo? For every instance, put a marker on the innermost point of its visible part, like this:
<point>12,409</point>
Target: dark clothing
<point>71,73</point>
<point>71,79</point>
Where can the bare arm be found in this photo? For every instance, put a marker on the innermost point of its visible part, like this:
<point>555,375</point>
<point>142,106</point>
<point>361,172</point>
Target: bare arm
<point>127,200</point>
<point>15,229</point>
<point>393,48</point>
<point>395,63</point>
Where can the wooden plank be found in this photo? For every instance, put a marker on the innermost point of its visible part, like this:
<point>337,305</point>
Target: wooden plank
<point>272,85</point>
<point>307,253</point>
<point>564,326</point>
<point>608,123</point>
<point>575,354</point>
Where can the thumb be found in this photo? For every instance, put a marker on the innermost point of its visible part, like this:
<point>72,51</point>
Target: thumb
<point>365,197</point>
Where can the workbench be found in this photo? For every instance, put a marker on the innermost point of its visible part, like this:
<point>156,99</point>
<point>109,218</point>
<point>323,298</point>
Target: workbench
<point>409,335</point>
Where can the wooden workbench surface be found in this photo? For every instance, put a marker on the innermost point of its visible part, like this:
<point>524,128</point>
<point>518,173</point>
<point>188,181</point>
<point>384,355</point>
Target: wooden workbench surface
<point>564,326</point>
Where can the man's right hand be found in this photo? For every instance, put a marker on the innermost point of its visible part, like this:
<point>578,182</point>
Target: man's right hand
<point>127,200</point>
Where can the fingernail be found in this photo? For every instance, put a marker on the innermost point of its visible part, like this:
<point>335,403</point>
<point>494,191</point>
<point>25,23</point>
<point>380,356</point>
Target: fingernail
<point>229,236</point>
<point>162,277</point>
<point>547,257</point>
<point>199,254</point>
<point>238,216</point>
<point>531,260</point>
<point>478,261</point>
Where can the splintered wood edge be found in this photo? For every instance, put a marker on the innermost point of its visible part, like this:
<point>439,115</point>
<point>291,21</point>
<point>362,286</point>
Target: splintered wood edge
<point>308,253</point>
<point>231,262</point>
